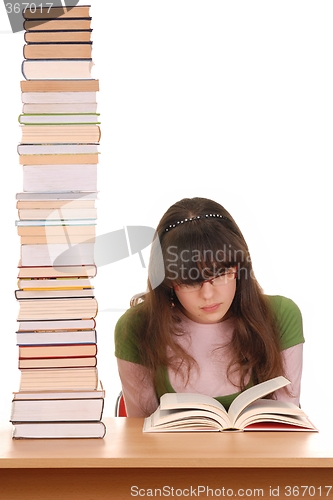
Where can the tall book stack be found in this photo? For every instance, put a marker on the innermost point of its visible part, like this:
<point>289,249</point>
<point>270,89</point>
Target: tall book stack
<point>60,394</point>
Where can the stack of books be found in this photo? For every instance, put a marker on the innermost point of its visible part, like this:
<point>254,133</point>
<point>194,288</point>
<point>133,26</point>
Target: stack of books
<point>60,394</point>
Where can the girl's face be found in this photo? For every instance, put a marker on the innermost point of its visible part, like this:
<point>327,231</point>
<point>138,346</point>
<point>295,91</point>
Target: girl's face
<point>209,304</point>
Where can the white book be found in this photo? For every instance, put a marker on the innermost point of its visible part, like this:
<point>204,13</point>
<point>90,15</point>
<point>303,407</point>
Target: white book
<point>58,97</point>
<point>56,410</point>
<point>61,213</point>
<point>53,294</point>
<point>59,222</point>
<point>57,254</point>
<point>58,430</point>
<point>66,107</point>
<point>54,178</point>
<point>61,195</point>
<point>56,337</point>
<point>56,325</point>
<point>57,69</point>
<point>61,118</point>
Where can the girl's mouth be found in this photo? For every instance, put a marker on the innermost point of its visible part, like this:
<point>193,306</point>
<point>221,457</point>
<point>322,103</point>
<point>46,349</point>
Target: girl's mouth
<point>210,308</point>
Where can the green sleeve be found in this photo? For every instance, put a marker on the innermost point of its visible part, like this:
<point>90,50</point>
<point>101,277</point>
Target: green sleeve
<point>125,336</point>
<point>289,319</point>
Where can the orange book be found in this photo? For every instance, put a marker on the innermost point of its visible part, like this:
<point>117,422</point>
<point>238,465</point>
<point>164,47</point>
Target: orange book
<point>62,309</point>
<point>57,351</point>
<point>57,362</point>
<point>56,159</point>
<point>55,134</point>
<point>57,50</point>
<point>57,24</point>
<point>50,11</point>
<point>84,271</point>
<point>60,85</point>
<point>57,36</point>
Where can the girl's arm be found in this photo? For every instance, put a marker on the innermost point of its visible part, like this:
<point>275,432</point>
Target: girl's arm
<point>293,364</point>
<point>138,389</point>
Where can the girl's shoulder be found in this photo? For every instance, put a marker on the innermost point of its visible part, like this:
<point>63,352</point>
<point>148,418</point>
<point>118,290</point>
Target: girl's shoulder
<point>280,303</point>
<point>132,318</point>
<point>289,319</point>
<point>126,336</point>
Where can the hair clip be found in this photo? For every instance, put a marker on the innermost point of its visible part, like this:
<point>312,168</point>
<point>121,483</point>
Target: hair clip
<point>190,219</point>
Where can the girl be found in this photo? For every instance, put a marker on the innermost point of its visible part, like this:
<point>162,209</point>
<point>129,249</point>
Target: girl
<point>207,327</point>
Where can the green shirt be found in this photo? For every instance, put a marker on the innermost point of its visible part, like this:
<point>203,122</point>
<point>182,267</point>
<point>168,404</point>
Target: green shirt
<point>287,313</point>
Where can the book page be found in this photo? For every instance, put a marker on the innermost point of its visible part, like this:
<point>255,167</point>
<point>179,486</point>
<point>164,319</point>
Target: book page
<point>253,393</point>
<point>270,421</point>
<point>184,400</point>
<point>184,418</point>
<point>188,425</point>
<point>268,407</point>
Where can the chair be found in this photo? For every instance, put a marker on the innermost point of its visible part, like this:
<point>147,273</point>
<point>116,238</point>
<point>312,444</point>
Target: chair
<point>120,408</point>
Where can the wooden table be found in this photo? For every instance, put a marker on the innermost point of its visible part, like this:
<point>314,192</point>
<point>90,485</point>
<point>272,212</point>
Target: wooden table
<point>129,464</point>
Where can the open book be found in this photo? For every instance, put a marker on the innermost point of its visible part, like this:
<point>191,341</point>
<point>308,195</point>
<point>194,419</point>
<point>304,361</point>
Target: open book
<point>197,412</point>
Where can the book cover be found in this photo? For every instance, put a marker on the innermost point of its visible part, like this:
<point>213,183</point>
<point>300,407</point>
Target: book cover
<point>51,11</point>
<point>59,430</point>
<point>86,88</point>
<point>54,294</point>
<point>60,149</point>
<point>58,158</point>
<point>58,118</point>
<point>56,410</point>
<point>58,24</point>
<point>61,50</point>
<point>56,337</point>
<point>57,36</point>
<point>57,351</point>
<point>56,325</point>
<point>56,272</point>
<point>41,363</point>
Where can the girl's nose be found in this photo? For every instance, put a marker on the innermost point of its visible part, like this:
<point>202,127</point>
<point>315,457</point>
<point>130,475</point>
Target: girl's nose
<point>207,289</point>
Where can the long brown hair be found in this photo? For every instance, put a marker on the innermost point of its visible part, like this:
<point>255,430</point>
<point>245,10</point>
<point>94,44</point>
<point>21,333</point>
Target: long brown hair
<point>202,227</point>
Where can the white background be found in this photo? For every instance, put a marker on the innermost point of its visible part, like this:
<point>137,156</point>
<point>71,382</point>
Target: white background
<point>226,100</point>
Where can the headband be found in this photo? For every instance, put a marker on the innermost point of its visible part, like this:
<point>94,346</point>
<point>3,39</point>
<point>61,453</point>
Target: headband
<point>207,216</point>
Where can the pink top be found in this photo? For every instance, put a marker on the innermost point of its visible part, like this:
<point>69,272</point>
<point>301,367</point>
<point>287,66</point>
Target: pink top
<point>208,345</point>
